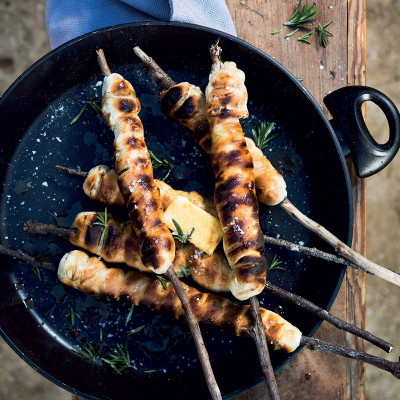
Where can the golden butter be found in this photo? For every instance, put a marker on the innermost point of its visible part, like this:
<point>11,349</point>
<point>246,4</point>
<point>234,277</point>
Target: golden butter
<point>207,229</point>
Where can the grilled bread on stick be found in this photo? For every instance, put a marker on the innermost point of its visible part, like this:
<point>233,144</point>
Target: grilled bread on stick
<point>186,103</point>
<point>190,209</point>
<point>91,276</point>
<point>235,196</point>
<point>101,184</point>
<point>120,107</point>
<point>121,245</point>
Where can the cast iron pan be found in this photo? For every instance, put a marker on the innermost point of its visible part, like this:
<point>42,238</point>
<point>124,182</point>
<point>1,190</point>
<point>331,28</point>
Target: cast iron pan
<point>35,115</point>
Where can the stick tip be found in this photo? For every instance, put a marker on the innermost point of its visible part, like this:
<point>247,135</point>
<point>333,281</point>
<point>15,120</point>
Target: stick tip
<point>101,59</point>
<point>27,225</point>
<point>215,50</point>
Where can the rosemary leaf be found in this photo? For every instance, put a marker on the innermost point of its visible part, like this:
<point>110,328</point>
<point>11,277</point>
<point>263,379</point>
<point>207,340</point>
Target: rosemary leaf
<point>118,358</point>
<point>305,37</point>
<point>179,235</point>
<point>275,264</point>
<point>163,281</point>
<point>36,271</point>
<point>292,33</point>
<point>136,330</point>
<point>129,316</point>
<point>323,34</point>
<point>90,102</point>
<point>276,32</point>
<point>157,163</point>
<point>102,221</point>
<point>184,270</point>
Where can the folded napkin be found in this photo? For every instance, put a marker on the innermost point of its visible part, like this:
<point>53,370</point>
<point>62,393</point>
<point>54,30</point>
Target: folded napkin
<point>67,19</point>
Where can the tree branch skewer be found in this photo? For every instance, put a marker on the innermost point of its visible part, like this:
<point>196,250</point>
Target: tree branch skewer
<point>381,363</point>
<point>340,248</point>
<point>37,227</point>
<point>310,343</point>
<point>192,321</point>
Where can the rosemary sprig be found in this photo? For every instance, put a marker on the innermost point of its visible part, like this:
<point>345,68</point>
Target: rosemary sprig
<point>129,316</point>
<point>90,351</point>
<point>43,256</point>
<point>179,235</point>
<point>36,271</point>
<point>73,315</point>
<point>275,264</point>
<point>262,134</point>
<point>305,37</point>
<point>158,163</point>
<point>136,330</point>
<point>91,102</point>
<point>164,282</point>
<point>185,271</point>
<point>118,358</point>
<point>188,335</point>
<point>323,34</point>
<point>302,16</point>
<point>102,221</point>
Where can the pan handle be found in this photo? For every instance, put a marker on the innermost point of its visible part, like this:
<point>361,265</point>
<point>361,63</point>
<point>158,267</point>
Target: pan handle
<point>344,104</point>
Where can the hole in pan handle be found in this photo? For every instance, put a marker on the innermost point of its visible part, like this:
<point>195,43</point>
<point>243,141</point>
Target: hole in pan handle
<point>369,156</point>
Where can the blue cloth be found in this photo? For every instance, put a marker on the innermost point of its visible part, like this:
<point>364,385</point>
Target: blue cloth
<point>67,19</point>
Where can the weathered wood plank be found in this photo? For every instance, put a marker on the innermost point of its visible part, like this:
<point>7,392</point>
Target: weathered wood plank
<point>314,375</point>
<point>355,280</point>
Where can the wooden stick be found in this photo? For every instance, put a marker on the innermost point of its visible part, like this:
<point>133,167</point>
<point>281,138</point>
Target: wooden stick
<point>340,248</point>
<point>154,69</point>
<point>26,258</point>
<point>311,343</point>
<point>36,227</point>
<point>381,363</point>
<point>46,229</point>
<point>71,171</point>
<point>311,251</point>
<point>262,350</point>
<point>101,59</point>
<point>192,321</point>
<point>325,315</point>
<point>195,329</point>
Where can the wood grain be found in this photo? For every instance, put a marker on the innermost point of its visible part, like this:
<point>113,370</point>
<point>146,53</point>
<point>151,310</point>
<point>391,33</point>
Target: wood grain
<point>355,280</point>
<point>314,375</point>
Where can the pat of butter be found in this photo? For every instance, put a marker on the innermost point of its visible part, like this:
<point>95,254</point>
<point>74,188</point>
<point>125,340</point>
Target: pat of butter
<point>207,229</point>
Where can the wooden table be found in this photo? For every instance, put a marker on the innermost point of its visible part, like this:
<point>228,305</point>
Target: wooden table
<point>314,375</point>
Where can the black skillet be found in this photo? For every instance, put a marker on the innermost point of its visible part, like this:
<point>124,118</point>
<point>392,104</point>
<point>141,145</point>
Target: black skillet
<point>34,117</point>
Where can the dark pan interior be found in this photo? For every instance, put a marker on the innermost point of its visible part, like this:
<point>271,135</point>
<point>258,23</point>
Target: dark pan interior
<point>35,115</point>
